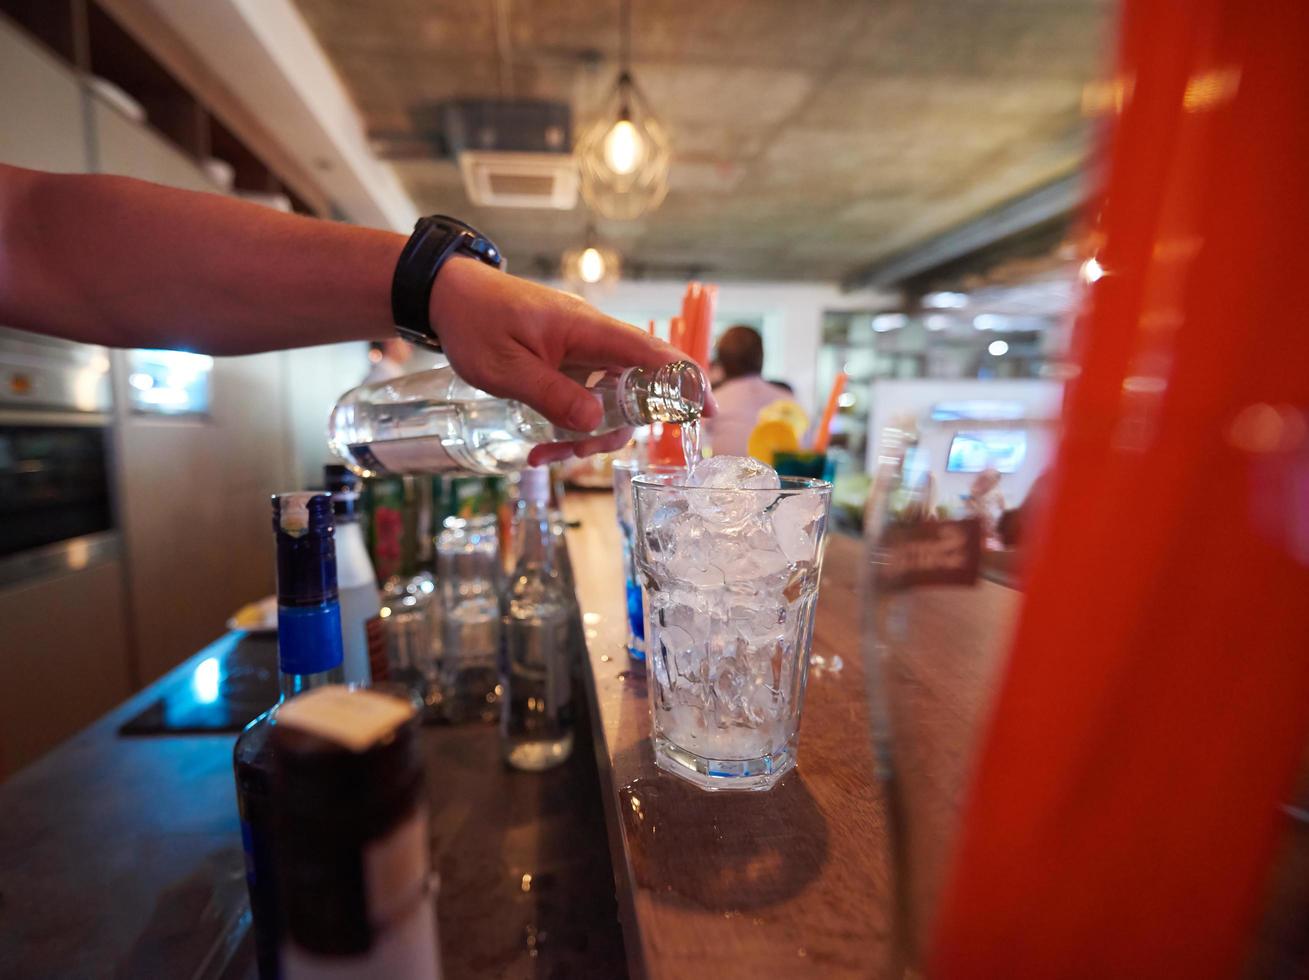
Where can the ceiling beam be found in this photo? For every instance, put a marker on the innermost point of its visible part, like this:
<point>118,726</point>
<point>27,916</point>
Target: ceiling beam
<point>1054,200</point>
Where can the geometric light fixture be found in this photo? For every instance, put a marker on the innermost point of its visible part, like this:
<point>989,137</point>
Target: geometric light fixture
<point>592,263</point>
<point>624,155</point>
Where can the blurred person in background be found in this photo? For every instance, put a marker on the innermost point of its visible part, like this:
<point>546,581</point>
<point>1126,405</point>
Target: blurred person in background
<point>985,502</point>
<point>715,373</point>
<point>742,394</point>
<point>126,263</point>
<point>388,360</point>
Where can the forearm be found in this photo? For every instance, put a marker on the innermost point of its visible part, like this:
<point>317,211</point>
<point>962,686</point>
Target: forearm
<point>125,263</point>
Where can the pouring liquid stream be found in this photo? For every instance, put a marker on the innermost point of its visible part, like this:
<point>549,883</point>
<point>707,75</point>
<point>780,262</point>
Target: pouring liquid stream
<point>691,444</point>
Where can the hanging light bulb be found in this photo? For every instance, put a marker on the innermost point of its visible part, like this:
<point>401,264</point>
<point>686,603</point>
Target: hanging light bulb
<point>591,265</point>
<point>624,148</point>
<point>623,156</point>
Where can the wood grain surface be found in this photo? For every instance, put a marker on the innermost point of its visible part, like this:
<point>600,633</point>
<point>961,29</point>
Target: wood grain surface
<point>797,882</point>
<point>788,883</point>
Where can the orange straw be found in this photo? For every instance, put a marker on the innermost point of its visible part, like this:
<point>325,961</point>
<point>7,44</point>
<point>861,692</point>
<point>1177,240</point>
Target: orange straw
<point>652,328</point>
<point>689,300</point>
<point>824,433</point>
<point>703,337</point>
<point>677,332</point>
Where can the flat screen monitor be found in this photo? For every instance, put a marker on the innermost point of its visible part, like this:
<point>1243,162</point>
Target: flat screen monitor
<point>972,452</point>
<point>978,410</point>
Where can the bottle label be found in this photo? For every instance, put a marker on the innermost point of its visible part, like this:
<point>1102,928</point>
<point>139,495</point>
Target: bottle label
<point>354,718</point>
<point>309,638</point>
<point>424,454</point>
<point>379,665</point>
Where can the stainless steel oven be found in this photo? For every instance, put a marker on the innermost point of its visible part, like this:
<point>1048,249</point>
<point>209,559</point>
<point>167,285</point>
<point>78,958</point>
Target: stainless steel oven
<point>63,623</point>
<point>55,499</point>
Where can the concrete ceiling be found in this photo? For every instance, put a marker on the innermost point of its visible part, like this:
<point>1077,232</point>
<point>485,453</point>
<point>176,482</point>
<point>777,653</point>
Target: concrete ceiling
<point>810,137</point>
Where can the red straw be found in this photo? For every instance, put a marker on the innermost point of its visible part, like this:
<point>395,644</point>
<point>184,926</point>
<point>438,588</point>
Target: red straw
<point>824,433</point>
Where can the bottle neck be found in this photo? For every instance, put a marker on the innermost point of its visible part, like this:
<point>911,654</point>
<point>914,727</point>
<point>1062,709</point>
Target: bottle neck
<point>289,685</point>
<point>672,393</point>
<point>634,397</point>
<point>309,648</point>
<point>535,538</point>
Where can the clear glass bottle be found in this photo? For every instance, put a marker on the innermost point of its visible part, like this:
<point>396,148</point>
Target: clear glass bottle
<point>471,581</point>
<point>536,710</point>
<point>309,655</point>
<point>435,422</point>
<point>356,580</point>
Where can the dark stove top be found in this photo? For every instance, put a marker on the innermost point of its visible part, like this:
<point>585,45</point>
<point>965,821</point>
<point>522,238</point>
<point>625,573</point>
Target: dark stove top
<point>223,693</point>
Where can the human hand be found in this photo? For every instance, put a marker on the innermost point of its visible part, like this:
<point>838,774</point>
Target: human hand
<point>509,337</point>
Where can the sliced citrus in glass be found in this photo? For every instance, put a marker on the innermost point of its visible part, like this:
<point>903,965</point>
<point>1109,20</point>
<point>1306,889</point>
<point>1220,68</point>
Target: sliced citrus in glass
<point>789,412</point>
<point>770,437</point>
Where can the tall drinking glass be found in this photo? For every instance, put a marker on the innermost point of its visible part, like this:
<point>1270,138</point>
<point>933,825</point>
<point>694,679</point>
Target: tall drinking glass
<point>624,469</point>
<point>731,581</point>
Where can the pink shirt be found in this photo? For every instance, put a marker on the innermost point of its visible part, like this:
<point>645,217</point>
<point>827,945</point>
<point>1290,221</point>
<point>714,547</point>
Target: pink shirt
<point>740,400</point>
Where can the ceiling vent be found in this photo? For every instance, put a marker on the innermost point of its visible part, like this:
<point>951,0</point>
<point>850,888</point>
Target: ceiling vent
<point>519,180</point>
<point>513,153</point>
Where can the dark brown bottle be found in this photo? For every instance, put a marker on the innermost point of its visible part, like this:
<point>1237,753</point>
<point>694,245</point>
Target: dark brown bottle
<point>355,890</point>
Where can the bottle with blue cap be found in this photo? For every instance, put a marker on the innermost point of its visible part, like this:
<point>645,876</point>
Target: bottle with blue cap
<point>309,655</point>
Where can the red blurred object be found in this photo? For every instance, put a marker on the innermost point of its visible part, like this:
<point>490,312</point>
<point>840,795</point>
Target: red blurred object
<point>1155,708</point>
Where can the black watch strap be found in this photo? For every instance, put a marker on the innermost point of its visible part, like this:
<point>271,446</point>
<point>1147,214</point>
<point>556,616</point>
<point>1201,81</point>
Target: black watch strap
<point>434,240</point>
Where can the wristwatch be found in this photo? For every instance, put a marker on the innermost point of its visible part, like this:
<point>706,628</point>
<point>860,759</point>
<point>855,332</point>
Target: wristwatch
<point>435,239</point>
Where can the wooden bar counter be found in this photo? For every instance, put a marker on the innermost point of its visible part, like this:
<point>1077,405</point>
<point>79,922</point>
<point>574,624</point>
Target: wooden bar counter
<point>793,882</point>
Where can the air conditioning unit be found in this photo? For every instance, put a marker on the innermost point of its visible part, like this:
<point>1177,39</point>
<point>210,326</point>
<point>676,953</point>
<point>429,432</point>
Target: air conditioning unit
<point>519,180</point>
<point>513,153</point>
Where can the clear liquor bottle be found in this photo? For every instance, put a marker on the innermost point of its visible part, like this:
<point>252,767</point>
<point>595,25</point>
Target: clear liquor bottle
<point>536,711</point>
<point>435,422</point>
<point>309,654</point>
<point>471,579</point>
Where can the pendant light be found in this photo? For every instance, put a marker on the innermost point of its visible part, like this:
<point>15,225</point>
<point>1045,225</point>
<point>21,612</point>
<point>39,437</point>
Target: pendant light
<point>624,155</point>
<point>592,264</point>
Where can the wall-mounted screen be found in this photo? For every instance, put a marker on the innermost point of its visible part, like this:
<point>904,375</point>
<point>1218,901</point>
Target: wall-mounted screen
<point>972,452</point>
<point>169,382</point>
<point>978,410</point>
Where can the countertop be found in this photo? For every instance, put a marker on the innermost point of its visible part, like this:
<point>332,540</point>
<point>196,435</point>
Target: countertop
<point>795,882</point>
<point>791,882</point>
<point>121,857</point>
